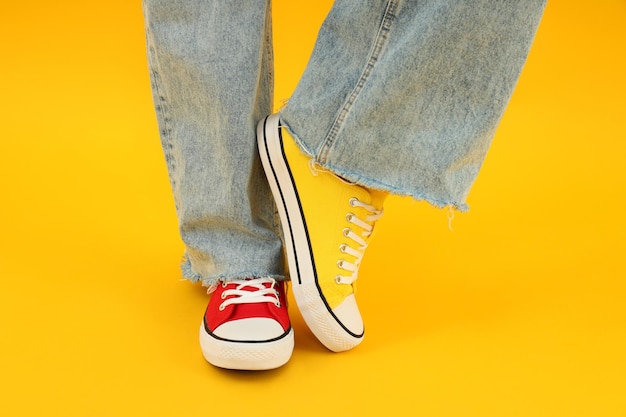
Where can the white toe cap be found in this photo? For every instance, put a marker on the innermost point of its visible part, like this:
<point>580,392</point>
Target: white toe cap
<point>251,329</point>
<point>348,313</point>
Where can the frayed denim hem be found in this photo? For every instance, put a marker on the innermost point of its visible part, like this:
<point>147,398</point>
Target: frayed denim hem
<point>373,184</point>
<point>190,275</point>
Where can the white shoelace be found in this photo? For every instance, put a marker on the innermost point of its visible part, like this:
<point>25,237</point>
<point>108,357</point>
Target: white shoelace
<point>259,294</point>
<point>367,227</point>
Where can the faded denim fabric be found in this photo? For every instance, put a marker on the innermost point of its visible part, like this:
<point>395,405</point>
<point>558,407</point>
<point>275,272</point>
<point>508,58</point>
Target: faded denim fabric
<point>399,95</point>
<point>405,96</point>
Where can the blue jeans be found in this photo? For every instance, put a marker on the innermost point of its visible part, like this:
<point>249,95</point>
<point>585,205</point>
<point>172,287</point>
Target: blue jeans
<point>399,95</point>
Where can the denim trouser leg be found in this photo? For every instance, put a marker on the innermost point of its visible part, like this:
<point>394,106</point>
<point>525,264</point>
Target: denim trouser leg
<point>211,72</point>
<point>399,95</point>
<point>405,95</point>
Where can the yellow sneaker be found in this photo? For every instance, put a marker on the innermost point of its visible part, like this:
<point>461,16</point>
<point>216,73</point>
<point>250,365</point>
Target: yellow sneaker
<point>326,223</point>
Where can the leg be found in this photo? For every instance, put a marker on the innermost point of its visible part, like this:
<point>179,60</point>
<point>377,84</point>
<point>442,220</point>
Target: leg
<point>210,85</point>
<point>399,96</point>
<point>421,84</point>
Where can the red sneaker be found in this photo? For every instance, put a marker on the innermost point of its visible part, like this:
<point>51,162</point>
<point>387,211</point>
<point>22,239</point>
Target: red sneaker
<point>246,325</point>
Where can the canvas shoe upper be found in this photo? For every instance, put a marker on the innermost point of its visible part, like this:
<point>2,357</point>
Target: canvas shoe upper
<point>327,223</point>
<point>246,325</point>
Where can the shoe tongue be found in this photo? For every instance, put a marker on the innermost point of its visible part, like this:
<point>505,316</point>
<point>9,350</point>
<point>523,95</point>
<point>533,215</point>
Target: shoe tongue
<point>378,198</point>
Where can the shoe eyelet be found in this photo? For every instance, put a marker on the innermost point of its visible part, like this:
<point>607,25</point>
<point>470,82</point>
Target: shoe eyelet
<point>340,263</point>
<point>338,279</point>
<point>224,284</point>
<point>277,304</point>
<point>223,296</point>
<point>222,307</point>
<point>353,201</point>
<point>349,217</point>
<point>343,247</point>
<point>346,231</point>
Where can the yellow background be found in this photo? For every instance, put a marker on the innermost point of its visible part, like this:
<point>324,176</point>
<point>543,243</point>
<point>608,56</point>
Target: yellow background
<point>519,311</point>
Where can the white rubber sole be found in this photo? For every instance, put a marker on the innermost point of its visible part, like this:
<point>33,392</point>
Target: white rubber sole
<point>250,356</point>
<point>309,298</point>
